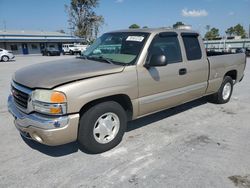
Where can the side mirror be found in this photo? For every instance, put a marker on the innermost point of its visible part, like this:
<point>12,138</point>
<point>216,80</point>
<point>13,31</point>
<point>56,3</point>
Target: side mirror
<point>156,61</point>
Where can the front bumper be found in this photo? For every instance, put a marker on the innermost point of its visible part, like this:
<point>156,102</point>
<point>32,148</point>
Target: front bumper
<point>47,130</point>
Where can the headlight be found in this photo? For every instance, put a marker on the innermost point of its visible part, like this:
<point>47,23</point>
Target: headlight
<point>49,102</point>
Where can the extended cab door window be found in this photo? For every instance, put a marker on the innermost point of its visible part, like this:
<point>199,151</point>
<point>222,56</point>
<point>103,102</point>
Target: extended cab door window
<point>192,46</point>
<point>167,44</point>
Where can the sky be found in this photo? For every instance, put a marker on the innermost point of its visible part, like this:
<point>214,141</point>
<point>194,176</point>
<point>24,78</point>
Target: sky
<point>50,15</point>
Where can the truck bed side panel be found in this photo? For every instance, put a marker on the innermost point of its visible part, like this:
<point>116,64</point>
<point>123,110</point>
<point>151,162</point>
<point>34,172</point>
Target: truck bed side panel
<point>220,65</point>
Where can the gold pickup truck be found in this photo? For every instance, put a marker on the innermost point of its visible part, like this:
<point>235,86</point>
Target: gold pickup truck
<point>122,76</point>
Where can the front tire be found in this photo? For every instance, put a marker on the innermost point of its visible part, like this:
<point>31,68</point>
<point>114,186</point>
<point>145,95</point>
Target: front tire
<point>102,127</point>
<point>5,58</point>
<point>225,92</point>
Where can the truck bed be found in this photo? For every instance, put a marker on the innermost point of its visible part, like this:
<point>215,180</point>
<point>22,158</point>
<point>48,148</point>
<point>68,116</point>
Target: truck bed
<point>213,53</point>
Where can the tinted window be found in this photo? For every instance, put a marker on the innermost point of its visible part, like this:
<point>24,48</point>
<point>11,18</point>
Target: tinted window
<point>168,46</point>
<point>192,47</point>
<point>13,47</point>
<point>34,46</point>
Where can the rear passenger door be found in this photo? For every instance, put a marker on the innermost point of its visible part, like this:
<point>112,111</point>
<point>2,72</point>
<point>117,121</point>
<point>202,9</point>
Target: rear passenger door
<point>197,68</point>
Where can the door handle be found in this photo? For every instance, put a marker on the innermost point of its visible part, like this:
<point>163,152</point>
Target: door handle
<point>182,71</point>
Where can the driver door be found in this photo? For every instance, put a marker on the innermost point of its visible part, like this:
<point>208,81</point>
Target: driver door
<point>162,87</point>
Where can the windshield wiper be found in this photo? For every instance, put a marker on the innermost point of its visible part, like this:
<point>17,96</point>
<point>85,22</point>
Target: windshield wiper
<point>82,56</point>
<point>103,59</point>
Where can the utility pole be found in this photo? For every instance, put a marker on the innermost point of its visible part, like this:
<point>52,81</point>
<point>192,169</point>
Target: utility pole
<point>249,31</point>
<point>4,25</point>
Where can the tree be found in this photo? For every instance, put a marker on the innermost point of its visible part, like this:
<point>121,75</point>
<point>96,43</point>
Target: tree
<point>134,26</point>
<point>237,30</point>
<point>177,24</point>
<point>212,34</point>
<point>83,20</point>
<point>230,31</point>
<point>145,27</point>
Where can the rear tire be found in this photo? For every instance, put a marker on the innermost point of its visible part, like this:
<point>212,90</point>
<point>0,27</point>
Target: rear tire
<point>225,92</point>
<point>102,127</point>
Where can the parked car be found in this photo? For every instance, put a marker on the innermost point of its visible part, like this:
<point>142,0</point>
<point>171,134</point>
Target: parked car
<point>51,51</point>
<point>247,52</point>
<point>6,55</point>
<point>124,75</point>
<point>73,48</point>
<point>243,50</point>
<point>240,50</point>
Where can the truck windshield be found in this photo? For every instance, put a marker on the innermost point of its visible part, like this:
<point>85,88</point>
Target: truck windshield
<point>119,47</point>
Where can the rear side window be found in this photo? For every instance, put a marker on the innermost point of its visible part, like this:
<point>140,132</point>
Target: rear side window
<point>167,45</point>
<point>192,46</point>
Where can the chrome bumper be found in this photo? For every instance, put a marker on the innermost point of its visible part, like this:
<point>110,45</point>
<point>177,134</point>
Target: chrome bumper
<point>44,129</point>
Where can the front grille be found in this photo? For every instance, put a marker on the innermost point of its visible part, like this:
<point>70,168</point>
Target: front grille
<point>20,98</point>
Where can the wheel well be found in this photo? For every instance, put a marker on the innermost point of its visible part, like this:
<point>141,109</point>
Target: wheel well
<point>232,74</point>
<point>122,99</point>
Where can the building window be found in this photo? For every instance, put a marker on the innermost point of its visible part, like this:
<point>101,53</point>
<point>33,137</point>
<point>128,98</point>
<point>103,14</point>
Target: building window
<point>34,46</point>
<point>13,47</point>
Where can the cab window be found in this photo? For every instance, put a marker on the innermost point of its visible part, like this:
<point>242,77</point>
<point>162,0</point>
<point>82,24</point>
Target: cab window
<point>192,46</point>
<point>167,44</point>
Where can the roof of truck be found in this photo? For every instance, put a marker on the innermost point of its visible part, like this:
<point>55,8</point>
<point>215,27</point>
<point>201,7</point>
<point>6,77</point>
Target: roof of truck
<point>156,30</point>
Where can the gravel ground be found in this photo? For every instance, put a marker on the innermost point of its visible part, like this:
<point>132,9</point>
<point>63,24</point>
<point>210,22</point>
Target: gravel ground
<point>198,144</point>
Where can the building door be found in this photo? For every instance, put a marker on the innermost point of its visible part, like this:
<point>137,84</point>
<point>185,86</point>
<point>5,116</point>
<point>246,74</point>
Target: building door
<point>25,48</point>
<point>42,46</point>
<point>60,47</point>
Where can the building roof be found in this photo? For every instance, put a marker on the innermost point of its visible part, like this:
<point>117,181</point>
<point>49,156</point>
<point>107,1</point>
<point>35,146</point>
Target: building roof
<point>32,33</point>
<point>36,36</point>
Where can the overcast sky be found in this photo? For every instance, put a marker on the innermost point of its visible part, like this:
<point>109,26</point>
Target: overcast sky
<point>50,15</point>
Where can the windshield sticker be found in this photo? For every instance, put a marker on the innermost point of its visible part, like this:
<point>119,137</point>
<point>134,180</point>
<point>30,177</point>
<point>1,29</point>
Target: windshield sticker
<point>135,38</point>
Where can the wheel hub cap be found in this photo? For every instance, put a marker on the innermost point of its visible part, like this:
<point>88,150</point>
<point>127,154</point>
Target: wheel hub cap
<point>226,91</point>
<point>106,128</point>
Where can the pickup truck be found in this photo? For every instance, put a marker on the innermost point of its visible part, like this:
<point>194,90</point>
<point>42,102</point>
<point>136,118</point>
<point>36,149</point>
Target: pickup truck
<point>122,76</point>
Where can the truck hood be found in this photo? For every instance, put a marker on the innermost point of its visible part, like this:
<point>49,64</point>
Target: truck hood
<point>51,74</point>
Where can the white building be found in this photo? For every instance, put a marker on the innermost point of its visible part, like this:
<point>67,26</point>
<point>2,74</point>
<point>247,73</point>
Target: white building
<point>32,42</point>
<point>227,44</point>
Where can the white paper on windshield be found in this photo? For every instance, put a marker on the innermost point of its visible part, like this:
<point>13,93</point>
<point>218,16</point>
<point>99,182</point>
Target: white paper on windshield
<point>135,38</point>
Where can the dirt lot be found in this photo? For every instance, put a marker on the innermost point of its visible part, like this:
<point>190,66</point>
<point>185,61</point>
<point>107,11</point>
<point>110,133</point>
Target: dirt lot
<point>198,144</point>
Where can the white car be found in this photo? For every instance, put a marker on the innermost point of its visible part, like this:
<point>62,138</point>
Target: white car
<point>6,55</point>
<point>73,48</point>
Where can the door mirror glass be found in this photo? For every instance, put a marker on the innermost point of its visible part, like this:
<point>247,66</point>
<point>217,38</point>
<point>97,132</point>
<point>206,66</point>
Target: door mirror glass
<point>156,61</point>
